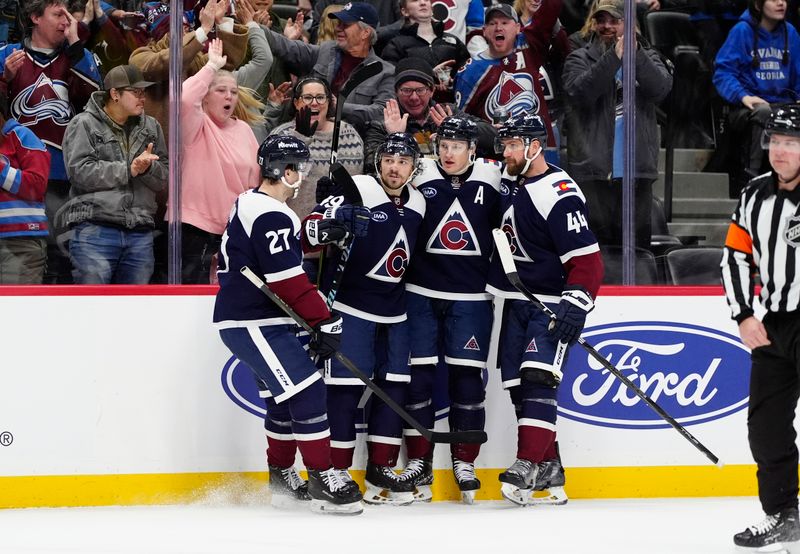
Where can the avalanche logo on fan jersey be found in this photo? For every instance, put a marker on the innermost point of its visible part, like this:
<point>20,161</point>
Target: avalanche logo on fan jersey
<point>394,263</point>
<point>696,374</point>
<point>508,228</point>
<point>454,235</point>
<point>513,94</point>
<point>45,99</point>
<point>442,12</point>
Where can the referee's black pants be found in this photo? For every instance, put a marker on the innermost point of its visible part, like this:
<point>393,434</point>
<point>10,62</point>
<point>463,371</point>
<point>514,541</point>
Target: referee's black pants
<point>774,390</point>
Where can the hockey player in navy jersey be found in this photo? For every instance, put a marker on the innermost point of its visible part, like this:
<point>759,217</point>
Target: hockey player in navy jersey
<point>263,233</point>
<point>558,258</point>
<point>371,298</point>
<point>448,306</point>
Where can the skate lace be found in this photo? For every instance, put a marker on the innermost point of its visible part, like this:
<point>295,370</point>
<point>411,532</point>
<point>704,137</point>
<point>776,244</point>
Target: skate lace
<point>464,471</point>
<point>343,475</point>
<point>764,526</point>
<point>292,478</point>
<point>521,467</point>
<point>332,479</point>
<point>413,470</point>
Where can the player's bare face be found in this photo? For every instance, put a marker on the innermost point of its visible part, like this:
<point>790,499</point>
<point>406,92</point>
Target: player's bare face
<point>313,97</point>
<point>608,27</point>
<point>514,155</point>
<point>500,33</point>
<point>784,157</point>
<point>48,28</point>
<point>395,171</point>
<point>418,10</point>
<point>454,155</point>
<point>221,99</point>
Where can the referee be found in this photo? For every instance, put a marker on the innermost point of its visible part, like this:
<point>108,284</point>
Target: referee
<point>763,238</point>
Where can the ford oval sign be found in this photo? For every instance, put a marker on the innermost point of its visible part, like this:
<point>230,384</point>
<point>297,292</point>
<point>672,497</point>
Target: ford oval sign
<point>695,374</point>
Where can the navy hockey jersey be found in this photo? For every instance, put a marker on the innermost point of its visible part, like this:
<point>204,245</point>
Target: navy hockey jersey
<point>451,259</point>
<point>545,220</point>
<point>372,286</point>
<point>263,234</point>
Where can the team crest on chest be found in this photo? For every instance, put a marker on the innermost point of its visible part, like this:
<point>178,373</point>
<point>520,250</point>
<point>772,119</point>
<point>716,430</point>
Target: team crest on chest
<point>394,262</point>
<point>510,229</point>
<point>45,99</point>
<point>513,94</point>
<point>454,234</point>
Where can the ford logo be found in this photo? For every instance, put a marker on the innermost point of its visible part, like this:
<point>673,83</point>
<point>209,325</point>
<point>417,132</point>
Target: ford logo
<point>694,373</point>
<point>428,192</point>
<point>504,189</point>
<point>379,216</point>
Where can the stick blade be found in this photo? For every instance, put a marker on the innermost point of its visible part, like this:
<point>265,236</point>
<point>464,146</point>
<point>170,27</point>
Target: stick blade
<point>470,437</point>
<point>504,251</point>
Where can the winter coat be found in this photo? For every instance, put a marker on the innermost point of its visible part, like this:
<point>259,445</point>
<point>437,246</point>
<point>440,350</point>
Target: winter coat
<point>408,44</point>
<point>98,154</point>
<point>776,82</point>
<point>589,82</point>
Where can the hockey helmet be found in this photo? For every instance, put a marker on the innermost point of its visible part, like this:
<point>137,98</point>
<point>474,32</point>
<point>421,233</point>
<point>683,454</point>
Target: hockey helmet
<point>527,127</point>
<point>457,127</point>
<point>278,152</point>
<point>401,144</point>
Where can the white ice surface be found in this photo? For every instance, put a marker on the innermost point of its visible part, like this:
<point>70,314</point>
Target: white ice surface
<point>235,525</point>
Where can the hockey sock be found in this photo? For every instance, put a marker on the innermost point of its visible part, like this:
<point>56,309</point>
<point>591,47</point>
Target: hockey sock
<point>310,425</point>
<point>420,406</point>
<point>536,423</point>
<point>385,428</point>
<point>281,446</point>
<point>342,410</point>
<point>466,407</point>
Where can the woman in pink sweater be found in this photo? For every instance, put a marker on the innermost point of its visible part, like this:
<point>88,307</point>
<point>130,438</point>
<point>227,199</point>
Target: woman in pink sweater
<point>218,163</point>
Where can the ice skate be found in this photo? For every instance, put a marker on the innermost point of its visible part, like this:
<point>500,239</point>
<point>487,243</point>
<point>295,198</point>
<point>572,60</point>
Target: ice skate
<point>347,479</point>
<point>468,483</point>
<point>776,533</point>
<point>518,481</point>
<point>330,495</point>
<point>385,487</point>
<point>287,487</point>
<point>419,472</point>
<point>549,486</point>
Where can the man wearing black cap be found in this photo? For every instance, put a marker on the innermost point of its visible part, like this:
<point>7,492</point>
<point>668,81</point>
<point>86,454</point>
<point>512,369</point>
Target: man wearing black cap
<point>336,61</point>
<point>116,159</point>
<point>503,79</point>
<point>416,112</point>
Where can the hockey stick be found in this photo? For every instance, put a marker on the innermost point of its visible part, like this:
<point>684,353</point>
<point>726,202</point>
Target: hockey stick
<point>356,79</point>
<point>475,437</point>
<point>510,269</point>
<point>352,196</point>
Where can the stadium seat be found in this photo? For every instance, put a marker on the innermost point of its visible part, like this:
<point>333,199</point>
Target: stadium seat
<point>695,265</point>
<point>645,266</point>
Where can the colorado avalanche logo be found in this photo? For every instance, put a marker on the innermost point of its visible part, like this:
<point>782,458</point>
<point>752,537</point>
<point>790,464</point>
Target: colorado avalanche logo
<point>454,235</point>
<point>509,228</point>
<point>393,264</point>
<point>443,11</point>
<point>45,99</point>
<point>513,94</point>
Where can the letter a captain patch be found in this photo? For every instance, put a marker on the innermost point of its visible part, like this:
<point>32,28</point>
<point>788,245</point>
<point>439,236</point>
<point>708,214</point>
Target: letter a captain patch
<point>532,346</point>
<point>472,344</point>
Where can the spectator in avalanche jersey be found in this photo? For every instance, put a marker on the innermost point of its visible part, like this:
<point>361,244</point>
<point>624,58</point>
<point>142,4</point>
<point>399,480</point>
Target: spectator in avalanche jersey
<point>24,164</point>
<point>48,79</point>
<point>503,79</point>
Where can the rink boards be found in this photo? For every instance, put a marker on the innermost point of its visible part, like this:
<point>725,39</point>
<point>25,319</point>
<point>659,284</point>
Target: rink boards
<point>126,395</point>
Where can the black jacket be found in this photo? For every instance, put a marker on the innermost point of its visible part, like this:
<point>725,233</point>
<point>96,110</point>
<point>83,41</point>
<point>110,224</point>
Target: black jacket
<point>408,44</point>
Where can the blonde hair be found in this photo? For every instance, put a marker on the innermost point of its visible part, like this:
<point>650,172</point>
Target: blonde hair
<point>586,30</point>
<point>327,26</point>
<point>249,107</point>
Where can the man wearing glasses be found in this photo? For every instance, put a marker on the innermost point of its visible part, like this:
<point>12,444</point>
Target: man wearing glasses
<point>336,60</point>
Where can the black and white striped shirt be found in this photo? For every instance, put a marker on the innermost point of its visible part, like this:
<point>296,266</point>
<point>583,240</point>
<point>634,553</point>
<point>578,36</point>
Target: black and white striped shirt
<point>763,238</point>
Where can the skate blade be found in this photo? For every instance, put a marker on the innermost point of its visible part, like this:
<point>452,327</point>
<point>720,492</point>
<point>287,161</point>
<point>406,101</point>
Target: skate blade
<point>384,497</point>
<point>329,508</point>
<point>423,493</point>
<point>554,496</point>
<point>515,494</point>
<point>468,497</point>
<point>287,502</point>
<point>776,548</point>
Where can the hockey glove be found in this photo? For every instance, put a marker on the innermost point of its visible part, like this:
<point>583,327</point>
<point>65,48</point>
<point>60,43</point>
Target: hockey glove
<point>326,337</point>
<point>356,218</point>
<point>326,187</point>
<point>571,313</point>
<point>302,122</point>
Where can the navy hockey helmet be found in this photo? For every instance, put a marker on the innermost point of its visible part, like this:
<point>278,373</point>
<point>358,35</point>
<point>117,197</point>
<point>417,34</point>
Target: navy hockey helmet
<point>278,152</point>
<point>457,128</point>
<point>527,127</point>
<point>402,144</point>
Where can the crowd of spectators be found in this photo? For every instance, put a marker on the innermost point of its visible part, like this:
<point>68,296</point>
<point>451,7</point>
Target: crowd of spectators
<point>84,90</point>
